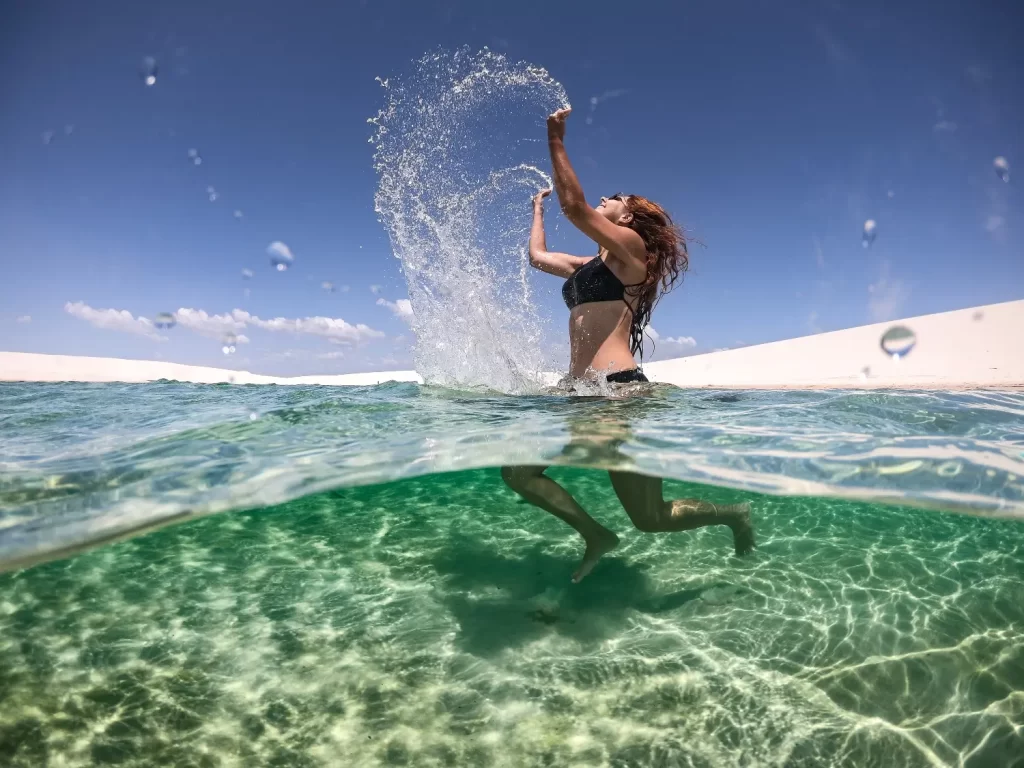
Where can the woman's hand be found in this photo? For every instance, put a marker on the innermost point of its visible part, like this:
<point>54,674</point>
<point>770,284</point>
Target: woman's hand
<point>538,199</point>
<point>556,123</point>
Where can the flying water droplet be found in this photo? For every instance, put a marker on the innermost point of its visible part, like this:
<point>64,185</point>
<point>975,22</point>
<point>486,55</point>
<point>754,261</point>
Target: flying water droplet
<point>238,214</point>
<point>1002,168</point>
<point>281,256</point>
<point>247,274</point>
<point>149,71</point>
<point>165,320</point>
<point>329,287</point>
<point>47,137</point>
<point>870,230</point>
<point>891,194</point>
<point>865,372</point>
<point>898,341</point>
<point>253,417</point>
<point>212,194</point>
<point>229,342</point>
<point>193,155</point>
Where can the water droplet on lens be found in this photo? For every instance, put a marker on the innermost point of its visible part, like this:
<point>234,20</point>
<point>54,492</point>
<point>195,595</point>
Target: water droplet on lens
<point>193,155</point>
<point>870,230</point>
<point>229,342</point>
<point>165,320</point>
<point>898,341</point>
<point>149,70</point>
<point>281,256</point>
<point>211,193</point>
<point>1002,168</point>
<point>247,274</point>
<point>329,287</point>
<point>979,315</point>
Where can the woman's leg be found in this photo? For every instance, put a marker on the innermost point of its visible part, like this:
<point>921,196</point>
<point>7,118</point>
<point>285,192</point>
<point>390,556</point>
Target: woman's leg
<point>642,498</point>
<point>537,488</point>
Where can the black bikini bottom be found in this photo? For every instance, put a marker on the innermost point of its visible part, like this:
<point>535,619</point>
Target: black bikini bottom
<point>630,376</point>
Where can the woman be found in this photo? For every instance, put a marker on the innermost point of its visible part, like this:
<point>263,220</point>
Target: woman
<point>610,298</point>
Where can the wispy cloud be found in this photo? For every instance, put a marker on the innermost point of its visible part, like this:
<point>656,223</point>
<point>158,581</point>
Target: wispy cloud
<point>402,308</point>
<point>213,326</point>
<point>836,51</point>
<point>332,328</point>
<point>199,321</point>
<point>113,320</point>
<point>886,296</point>
<point>24,320</point>
<point>596,100</point>
<point>671,344</point>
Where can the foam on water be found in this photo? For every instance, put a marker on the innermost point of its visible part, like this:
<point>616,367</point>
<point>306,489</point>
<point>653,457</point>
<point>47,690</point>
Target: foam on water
<point>457,153</point>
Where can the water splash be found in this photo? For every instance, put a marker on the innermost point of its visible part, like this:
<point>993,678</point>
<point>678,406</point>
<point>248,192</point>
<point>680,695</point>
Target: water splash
<point>456,174</point>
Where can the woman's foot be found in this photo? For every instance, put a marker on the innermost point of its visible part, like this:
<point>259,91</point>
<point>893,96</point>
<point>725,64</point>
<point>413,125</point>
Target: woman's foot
<point>596,549</point>
<point>742,528</point>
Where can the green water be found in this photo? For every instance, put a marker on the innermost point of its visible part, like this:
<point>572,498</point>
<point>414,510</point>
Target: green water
<point>350,582</point>
<point>431,622</point>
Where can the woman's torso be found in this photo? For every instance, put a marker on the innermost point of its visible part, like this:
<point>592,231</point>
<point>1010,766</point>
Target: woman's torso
<point>600,316</point>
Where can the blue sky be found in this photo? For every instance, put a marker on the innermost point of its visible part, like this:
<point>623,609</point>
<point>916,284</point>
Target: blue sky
<point>771,130</point>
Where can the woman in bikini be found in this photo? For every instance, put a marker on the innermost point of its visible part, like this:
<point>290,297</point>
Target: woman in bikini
<point>610,296</point>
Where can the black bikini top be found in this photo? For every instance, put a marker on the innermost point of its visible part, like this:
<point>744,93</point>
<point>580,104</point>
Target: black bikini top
<point>593,281</point>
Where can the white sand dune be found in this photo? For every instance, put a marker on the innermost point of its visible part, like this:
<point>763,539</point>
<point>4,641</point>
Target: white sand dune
<point>977,347</point>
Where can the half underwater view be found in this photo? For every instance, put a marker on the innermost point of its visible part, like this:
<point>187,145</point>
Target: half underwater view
<point>336,430</point>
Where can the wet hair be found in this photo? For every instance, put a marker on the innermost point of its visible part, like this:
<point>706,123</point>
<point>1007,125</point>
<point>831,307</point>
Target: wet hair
<point>667,259</point>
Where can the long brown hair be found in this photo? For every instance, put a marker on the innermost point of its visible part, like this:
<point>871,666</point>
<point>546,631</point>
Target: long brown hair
<point>667,259</point>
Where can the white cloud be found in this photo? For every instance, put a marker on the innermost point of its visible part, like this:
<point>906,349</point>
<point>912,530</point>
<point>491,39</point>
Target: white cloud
<point>330,355</point>
<point>212,326</point>
<point>113,320</point>
<point>685,342</point>
<point>24,320</point>
<point>332,328</point>
<point>887,297</point>
<point>402,308</point>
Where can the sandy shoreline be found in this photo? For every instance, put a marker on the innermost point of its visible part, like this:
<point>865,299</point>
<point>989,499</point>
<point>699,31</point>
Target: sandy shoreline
<point>968,348</point>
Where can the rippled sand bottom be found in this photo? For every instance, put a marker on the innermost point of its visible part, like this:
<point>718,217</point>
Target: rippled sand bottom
<point>431,622</point>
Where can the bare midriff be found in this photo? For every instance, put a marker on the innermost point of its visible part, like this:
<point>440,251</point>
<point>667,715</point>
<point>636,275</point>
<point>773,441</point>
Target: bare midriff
<point>599,339</point>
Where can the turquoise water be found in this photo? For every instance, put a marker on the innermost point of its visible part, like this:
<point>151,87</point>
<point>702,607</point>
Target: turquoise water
<point>370,592</point>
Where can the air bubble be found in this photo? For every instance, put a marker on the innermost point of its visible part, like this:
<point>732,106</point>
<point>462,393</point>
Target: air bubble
<point>898,341</point>
<point>1002,168</point>
<point>193,155</point>
<point>228,344</point>
<point>870,230</point>
<point>165,320</point>
<point>149,71</point>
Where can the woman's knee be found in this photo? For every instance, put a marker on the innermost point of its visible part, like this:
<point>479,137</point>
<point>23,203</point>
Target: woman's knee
<point>516,477</point>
